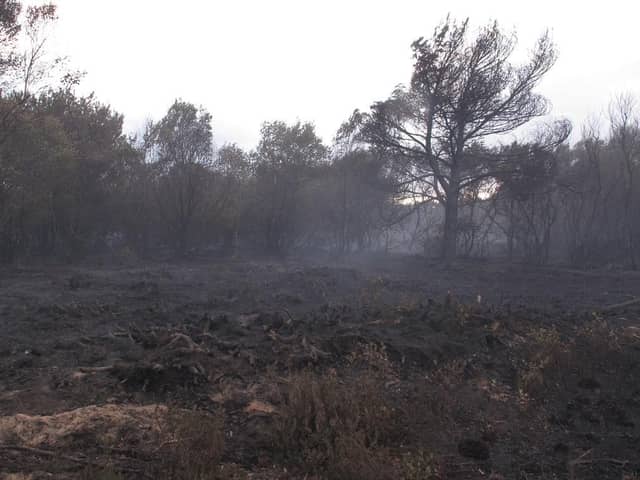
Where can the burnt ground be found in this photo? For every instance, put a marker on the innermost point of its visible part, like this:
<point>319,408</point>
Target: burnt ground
<point>488,370</point>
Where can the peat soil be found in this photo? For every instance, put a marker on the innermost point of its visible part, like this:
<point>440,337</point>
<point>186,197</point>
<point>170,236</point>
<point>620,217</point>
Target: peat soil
<point>495,370</point>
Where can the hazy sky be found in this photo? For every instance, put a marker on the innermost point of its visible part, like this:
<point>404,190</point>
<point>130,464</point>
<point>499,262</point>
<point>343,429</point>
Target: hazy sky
<point>251,61</point>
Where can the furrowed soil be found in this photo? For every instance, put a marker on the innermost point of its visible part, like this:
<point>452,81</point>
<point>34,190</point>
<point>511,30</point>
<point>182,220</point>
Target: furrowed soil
<point>381,368</point>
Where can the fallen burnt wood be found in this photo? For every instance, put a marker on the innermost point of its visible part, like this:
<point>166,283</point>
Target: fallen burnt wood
<point>159,377</point>
<point>620,306</point>
<point>172,360</point>
<point>302,350</point>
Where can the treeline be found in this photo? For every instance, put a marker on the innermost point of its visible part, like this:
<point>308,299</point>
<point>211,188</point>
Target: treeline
<point>73,184</point>
<point>577,205</point>
<point>420,171</point>
<point>582,204</point>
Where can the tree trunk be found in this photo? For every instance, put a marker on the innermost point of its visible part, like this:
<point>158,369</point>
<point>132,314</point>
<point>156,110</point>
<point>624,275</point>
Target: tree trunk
<point>450,237</point>
<point>511,232</point>
<point>628,209</point>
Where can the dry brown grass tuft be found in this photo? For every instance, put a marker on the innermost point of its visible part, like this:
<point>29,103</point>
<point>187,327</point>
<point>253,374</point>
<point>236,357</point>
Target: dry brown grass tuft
<point>549,354</point>
<point>374,360</point>
<point>551,360</point>
<point>420,465</point>
<point>192,448</point>
<point>334,426</point>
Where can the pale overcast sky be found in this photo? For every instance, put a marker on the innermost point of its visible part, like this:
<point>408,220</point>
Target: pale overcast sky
<point>248,61</point>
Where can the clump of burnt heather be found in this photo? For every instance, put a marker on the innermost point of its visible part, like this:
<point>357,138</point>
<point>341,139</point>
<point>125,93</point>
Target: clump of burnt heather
<point>514,389</point>
<point>340,425</point>
<point>190,447</point>
<point>555,361</point>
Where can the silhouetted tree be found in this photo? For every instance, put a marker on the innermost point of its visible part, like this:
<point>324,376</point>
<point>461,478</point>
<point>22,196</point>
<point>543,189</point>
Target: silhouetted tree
<point>233,165</point>
<point>180,146</point>
<point>61,174</point>
<point>625,137</point>
<point>527,195</point>
<point>462,92</point>
<point>23,57</point>
<point>285,158</point>
<point>584,195</point>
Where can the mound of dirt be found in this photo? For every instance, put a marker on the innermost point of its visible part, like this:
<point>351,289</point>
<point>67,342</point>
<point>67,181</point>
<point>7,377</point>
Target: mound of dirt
<point>106,425</point>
